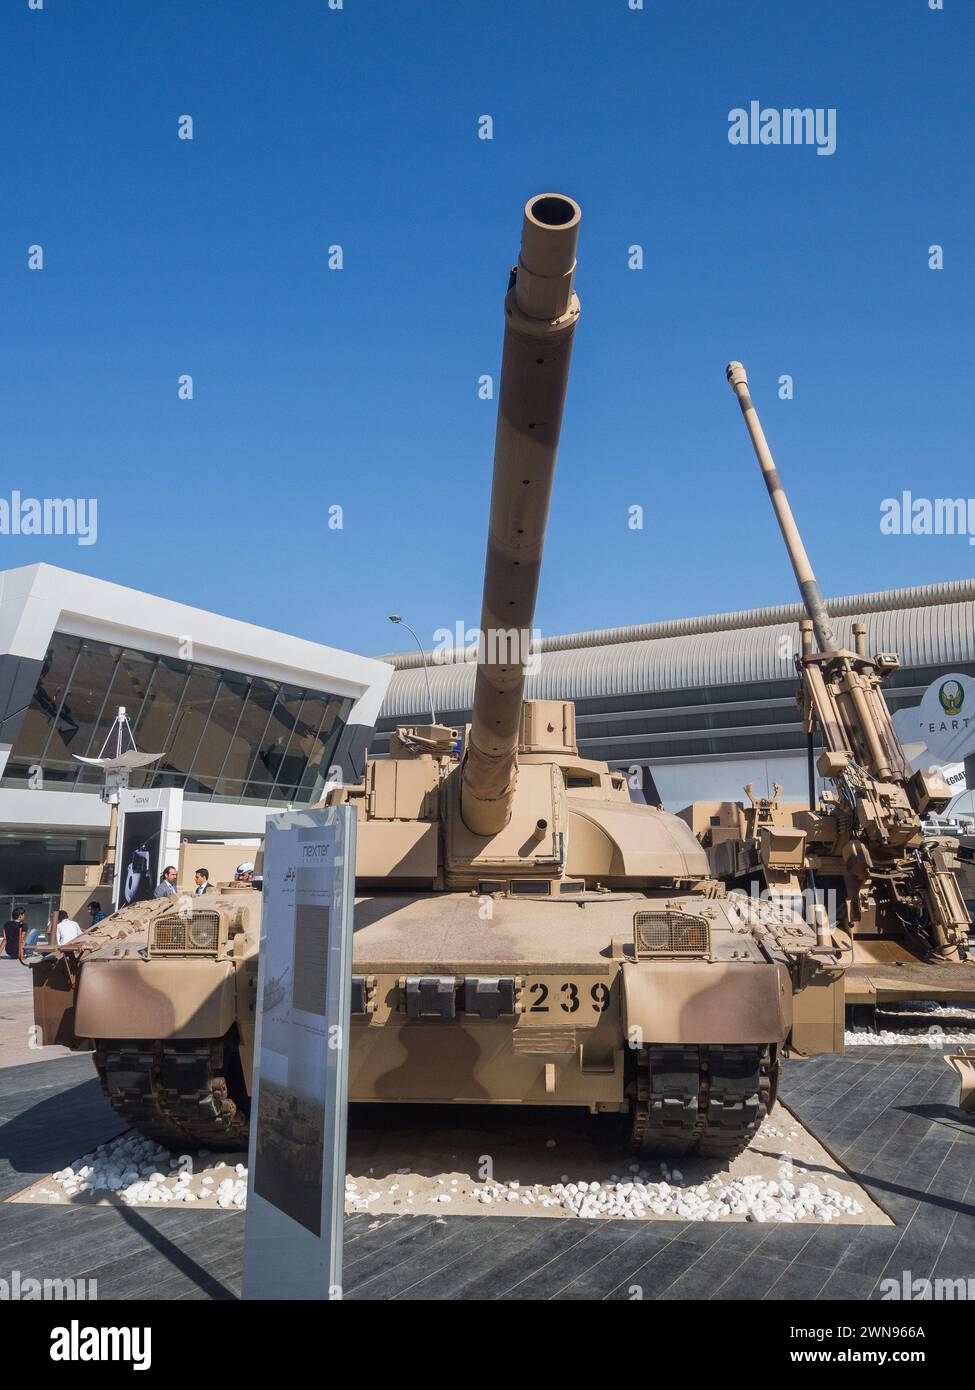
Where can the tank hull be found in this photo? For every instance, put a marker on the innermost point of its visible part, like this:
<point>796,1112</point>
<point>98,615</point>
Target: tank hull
<point>465,999</point>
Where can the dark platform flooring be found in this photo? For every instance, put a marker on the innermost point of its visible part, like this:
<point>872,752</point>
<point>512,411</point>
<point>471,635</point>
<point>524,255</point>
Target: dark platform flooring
<point>888,1114</point>
<point>882,982</point>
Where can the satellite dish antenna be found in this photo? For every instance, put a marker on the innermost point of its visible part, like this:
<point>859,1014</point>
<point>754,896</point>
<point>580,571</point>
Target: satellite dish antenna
<point>118,758</point>
<point>118,765</point>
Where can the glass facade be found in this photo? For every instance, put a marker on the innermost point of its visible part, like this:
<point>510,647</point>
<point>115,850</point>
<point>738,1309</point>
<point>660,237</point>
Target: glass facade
<point>223,736</point>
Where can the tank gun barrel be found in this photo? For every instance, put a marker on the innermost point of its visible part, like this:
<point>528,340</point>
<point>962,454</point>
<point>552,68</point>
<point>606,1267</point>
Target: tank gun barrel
<point>541,311</point>
<point>809,589</point>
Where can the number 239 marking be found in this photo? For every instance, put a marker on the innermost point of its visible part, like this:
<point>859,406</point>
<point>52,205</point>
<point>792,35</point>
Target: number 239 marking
<point>569,1003</point>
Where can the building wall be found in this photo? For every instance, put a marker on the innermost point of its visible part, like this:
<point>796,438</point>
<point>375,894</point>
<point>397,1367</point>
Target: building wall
<point>246,719</point>
<point>709,704</point>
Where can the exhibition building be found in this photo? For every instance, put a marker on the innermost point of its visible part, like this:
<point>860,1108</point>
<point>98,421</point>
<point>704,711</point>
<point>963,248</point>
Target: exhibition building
<point>708,704</point>
<point>248,720</point>
<point>245,719</point>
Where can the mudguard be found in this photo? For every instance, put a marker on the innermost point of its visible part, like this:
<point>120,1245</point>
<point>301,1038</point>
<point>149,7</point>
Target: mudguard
<point>53,982</point>
<point>701,1002</point>
<point>155,999</point>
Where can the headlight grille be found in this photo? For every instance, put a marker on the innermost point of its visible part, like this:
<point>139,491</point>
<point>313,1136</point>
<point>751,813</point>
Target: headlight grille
<point>197,931</point>
<point>666,932</point>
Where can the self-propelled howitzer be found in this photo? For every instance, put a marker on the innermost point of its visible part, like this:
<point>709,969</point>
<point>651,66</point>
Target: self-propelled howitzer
<point>524,932</point>
<point>863,843</point>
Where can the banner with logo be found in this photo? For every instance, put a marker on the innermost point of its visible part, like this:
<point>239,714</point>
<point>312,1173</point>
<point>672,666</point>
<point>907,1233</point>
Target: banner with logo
<point>944,721</point>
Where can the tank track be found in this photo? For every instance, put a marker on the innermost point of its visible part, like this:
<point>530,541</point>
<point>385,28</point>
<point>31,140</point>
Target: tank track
<point>174,1092</point>
<point>706,1101</point>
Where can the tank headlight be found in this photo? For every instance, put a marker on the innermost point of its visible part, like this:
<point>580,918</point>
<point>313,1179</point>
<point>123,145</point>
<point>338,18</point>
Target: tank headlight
<point>204,932</point>
<point>177,934</point>
<point>671,933</point>
<point>169,934</point>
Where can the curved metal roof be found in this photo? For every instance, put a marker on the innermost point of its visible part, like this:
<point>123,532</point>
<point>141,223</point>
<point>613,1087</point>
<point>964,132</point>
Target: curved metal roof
<point>852,605</point>
<point>924,633</point>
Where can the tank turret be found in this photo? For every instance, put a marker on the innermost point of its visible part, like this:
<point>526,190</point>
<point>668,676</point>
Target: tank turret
<point>541,312</point>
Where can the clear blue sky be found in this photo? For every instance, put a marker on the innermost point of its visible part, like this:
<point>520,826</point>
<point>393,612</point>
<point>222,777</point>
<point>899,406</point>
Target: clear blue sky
<point>359,387</point>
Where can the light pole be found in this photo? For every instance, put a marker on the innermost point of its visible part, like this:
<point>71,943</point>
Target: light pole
<point>397,618</point>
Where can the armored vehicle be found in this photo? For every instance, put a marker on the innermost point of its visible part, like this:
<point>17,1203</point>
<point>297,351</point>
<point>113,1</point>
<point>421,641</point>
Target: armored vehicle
<point>895,893</point>
<point>525,934</point>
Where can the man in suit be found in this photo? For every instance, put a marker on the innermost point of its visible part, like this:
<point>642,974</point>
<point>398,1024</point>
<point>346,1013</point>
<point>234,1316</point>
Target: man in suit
<point>202,881</point>
<point>167,884</point>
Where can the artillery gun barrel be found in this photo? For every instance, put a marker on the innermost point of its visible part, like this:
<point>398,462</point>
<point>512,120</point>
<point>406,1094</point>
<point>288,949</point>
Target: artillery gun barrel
<point>880,745</point>
<point>541,311</point>
<point>808,586</point>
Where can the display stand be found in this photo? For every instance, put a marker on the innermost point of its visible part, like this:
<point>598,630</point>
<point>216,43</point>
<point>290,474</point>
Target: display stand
<point>296,1182</point>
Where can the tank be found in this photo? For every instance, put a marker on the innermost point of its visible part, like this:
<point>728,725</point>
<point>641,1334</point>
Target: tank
<point>525,933</point>
<point>866,848</point>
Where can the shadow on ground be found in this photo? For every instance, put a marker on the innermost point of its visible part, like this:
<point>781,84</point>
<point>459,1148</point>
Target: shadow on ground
<point>49,1133</point>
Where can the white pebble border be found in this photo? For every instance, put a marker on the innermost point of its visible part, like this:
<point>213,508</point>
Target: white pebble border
<point>925,1008</point>
<point>934,1036</point>
<point>639,1196</point>
<point>138,1170</point>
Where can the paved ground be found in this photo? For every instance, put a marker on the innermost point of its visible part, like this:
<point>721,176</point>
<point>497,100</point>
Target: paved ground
<point>888,1114</point>
<point>17,1038</point>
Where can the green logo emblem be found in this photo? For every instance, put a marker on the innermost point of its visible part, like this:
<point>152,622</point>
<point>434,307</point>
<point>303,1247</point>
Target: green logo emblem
<point>952,697</point>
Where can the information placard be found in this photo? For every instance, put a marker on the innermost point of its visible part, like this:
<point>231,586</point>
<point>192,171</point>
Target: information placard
<point>296,1181</point>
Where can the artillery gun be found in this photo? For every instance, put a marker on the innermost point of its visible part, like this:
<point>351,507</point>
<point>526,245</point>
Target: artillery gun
<point>524,933</point>
<point>958,847</point>
<point>898,899</point>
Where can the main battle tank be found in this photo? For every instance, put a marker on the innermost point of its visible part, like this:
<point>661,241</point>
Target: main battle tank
<point>525,934</point>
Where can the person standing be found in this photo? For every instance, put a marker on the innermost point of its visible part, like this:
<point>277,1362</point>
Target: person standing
<point>11,933</point>
<point>202,877</point>
<point>167,884</point>
<point>95,915</point>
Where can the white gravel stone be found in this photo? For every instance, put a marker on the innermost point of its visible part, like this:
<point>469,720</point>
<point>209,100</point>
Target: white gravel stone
<point>756,1198</point>
<point>933,1036</point>
<point>137,1170</point>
